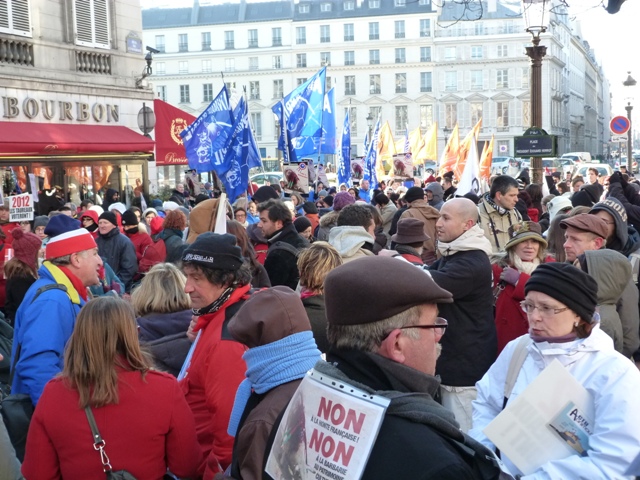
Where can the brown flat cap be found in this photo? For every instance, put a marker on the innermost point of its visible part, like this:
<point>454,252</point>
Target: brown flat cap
<point>269,315</point>
<point>374,288</point>
<point>586,223</point>
<point>410,230</point>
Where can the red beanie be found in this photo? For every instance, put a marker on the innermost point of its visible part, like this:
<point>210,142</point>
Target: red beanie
<point>26,247</point>
<point>70,242</point>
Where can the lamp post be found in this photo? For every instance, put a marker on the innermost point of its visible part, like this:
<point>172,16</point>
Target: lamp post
<point>534,11</point>
<point>629,82</point>
<point>370,124</point>
<point>446,130</point>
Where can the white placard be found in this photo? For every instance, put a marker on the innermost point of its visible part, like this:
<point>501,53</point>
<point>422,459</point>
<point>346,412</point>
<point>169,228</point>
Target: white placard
<point>20,207</point>
<point>34,187</point>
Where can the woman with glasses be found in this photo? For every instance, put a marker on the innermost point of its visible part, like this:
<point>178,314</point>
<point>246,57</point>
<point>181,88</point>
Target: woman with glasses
<point>560,302</point>
<point>525,250</point>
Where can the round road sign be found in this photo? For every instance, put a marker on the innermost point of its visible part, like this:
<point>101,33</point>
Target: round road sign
<point>619,125</point>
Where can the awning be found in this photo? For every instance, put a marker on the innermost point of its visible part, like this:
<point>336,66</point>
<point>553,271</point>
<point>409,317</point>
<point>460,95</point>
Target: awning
<point>22,139</point>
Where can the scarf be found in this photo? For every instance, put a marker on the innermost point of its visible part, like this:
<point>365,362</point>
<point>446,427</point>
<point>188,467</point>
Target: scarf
<point>271,365</point>
<point>569,337</point>
<point>215,306</point>
<point>75,288</point>
<point>76,282</point>
<point>501,210</point>
<point>472,239</point>
<point>525,267</point>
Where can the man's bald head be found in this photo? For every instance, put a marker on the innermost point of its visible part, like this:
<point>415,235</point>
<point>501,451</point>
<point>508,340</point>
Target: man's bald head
<point>456,217</point>
<point>463,208</point>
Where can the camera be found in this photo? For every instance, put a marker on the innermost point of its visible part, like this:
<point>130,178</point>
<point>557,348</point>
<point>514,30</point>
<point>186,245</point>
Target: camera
<point>152,50</point>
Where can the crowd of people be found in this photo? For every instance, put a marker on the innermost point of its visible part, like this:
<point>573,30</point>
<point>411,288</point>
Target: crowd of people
<point>184,347</point>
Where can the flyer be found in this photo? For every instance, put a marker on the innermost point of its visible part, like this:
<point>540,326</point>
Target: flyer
<point>357,168</point>
<point>296,177</point>
<point>21,207</point>
<point>403,167</point>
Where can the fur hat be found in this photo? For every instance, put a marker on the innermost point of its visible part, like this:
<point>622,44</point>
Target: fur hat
<point>214,251</point>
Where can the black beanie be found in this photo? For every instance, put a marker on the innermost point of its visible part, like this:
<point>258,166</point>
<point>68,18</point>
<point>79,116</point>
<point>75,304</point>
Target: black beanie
<point>328,200</point>
<point>309,207</point>
<point>568,285</point>
<point>301,224</point>
<point>215,251</point>
<point>265,193</point>
<point>129,218</point>
<point>414,193</point>
<point>110,217</point>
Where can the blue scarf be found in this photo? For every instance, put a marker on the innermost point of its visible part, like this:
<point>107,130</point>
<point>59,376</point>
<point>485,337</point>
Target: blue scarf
<point>273,364</point>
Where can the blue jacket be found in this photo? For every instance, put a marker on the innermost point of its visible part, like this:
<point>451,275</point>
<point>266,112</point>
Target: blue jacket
<point>43,328</point>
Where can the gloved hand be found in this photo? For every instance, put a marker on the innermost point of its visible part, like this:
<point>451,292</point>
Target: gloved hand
<point>510,275</point>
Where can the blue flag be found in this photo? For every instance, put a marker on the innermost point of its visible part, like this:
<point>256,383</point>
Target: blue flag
<point>205,139</point>
<point>241,155</point>
<point>328,140</point>
<point>343,161</point>
<point>372,158</point>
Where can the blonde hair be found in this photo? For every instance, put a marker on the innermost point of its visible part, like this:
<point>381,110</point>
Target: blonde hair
<point>161,291</point>
<point>315,263</point>
<point>105,337</point>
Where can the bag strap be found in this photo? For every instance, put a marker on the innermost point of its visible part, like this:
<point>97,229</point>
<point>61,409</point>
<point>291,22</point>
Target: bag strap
<point>517,360</point>
<point>98,441</point>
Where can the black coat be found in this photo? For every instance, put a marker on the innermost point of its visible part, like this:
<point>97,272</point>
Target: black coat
<point>120,254</point>
<point>316,312</point>
<point>280,264</point>
<point>15,288</point>
<point>174,243</point>
<point>469,346</point>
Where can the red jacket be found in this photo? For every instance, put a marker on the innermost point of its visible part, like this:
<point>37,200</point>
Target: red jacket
<point>6,229</point>
<point>140,242</point>
<point>210,384</point>
<point>149,430</point>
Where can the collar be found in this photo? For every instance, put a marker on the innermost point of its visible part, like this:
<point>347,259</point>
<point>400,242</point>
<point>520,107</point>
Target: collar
<point>235,296</point>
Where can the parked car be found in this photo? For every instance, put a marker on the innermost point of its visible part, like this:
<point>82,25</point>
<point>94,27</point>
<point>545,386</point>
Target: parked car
<point>623,161</point>
<point>604,169</point>
<point>551,164</point>
<point>266,178</point>
<point>505,165</point>
<point>578,157</point>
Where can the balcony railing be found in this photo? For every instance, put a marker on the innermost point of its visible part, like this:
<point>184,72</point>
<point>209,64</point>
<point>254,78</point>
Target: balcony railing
<point>93,62</point>
<point>472,32</point>
<point>16,52</point>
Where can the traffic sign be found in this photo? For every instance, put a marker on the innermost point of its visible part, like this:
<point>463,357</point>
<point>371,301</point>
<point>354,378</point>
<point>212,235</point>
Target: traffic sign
<point>620,138</point>
<point>619,125</point>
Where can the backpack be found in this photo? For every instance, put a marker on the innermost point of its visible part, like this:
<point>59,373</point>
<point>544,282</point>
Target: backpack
<point>287,247</point>
<point>155,253</point>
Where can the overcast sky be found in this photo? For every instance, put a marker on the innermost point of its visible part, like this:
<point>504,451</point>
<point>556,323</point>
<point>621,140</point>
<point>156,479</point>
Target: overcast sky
<point>615,38</point>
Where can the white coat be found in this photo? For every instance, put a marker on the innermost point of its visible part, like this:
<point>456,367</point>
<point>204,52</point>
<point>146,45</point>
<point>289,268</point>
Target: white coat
<point>613,382</point>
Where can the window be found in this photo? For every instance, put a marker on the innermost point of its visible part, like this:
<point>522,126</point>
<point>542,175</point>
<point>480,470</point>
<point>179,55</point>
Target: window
<point>253,38</point>
<point>374,31</point>
<point>231,86</point>
<point>502,78</point>
<point>374,84</point>
<point>353,118</point>
<point>478,28</point>
<point>374,3</point>
<point>374,57</point>
<point>349,5</point>
<point>207,66</point>
<point>476,112</point>
<point>400,3</point>
<point>348,32</point>
<point>477,79</point>
<point>325,58</point>
<point>325,33</point>
<point>300,81</point>
<point>160,68</point>
<point>229,40</point>
<point>184,94</point>
<point>402,119</point>
<point>325,7</point>
<point>207,92</point>
<point>400,55</point>
<point>350,85</point>
<point>256,123</point>
<point>426,117</point>
<point>502,114</point>
<point>451,81</point>
<point>301,35</point>
<point>349,58</point>
<point>399,28</point>
<point>503,50</point>
<point>183,42</point>
<point>303,8</point>
<point>450,53</point>
<point>160,43</point>
<point>229,65</point>
<point>426,84</point>
<point>14,17</point>
<point>183,67</point>
<point>524,81</point>
<point>206,40</point>
<point>278,89</point>
<point>424,2</point>
<point>301,60</point>
<point>401,83</point>
<point>254,90</point>
<point>450,115</point>
<point>476,51</point>
<point>425,54</point>
<point>253,63</point>
<point>276,37</point>
<point>91,22</point>
<point>425,27</point>
<point>277,61</point>
<point>375,113</point>
<point>162,93</point>
<point>327,85</point>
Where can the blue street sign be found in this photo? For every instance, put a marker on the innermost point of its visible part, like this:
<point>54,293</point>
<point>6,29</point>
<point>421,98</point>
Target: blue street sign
<point>619,125</point>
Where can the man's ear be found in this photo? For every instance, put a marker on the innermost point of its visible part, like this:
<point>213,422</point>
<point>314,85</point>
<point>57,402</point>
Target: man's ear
<point>600,242</point>
<point>391,347</point>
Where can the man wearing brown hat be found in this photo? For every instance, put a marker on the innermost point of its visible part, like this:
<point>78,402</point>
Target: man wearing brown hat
<point>389,345</point>
<point>409,240</point>
<point>419,208</point>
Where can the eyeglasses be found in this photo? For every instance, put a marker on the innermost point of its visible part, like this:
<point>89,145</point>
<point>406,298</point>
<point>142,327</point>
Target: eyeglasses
<point>439,326</point>
<point>543,310</point>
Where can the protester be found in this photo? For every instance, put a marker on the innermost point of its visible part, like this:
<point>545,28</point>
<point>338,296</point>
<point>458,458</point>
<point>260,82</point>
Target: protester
<point>310,211</point>
<point>420,209</point>
<point>39,224</point>
<point>20,272</point>
<point>409,241</point>
<point>304,228</point>
<point>259,276</point>
<point>330,220</point>
<point>89,220</point>
<point>140,240</point>
<point>173,227</point>
<point>112,196</point>
<point>560,303</point>
<point>497,211</point>
<point>435,193</point>
<point>387,210</point>
<point>117,249</point>
<point>353,237</point>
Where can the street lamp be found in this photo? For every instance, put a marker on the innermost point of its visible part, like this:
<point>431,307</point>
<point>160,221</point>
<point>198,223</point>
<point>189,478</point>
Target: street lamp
<point>370,124</point>
<point>446,130</point>
<point>629,82</point>
<point>534,11</point>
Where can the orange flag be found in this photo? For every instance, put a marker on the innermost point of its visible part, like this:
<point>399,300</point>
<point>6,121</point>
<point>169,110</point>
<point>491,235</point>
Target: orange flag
<point>450,154</point>
<point>415,144</point>
<point>485,160</point>
<point>429,149</point>
<point>464,149</point>
<point>386,145</point>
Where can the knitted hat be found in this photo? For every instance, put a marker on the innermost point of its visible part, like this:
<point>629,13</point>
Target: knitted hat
<point>73,241</point>
<point>301,224</point>
<point>119,206</point>
<point>568,285</point>
<point>40,221</point>
<point>109,217</point>
<point>26,247</point>
<point>341,200</point>
<point>586,223</point>
<point>168,206</point>
<point>129,218</point>
<point>265,193</point>
<point>410,230</point>
<point>558,205</point>
<point>414,193</point>
<point>328,200</point>
<point>156,225</point>
<point>322,193</point>
<point>60,224</point>
<point>215,251</point>
<point>617,211</point>
<point>309,207</point>
<point>97,208</point>
<point>410,286</point>
<point>520,232</point>
<point>150,210</point>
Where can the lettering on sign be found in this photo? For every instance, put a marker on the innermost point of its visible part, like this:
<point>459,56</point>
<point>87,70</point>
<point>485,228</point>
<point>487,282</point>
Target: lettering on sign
<point>61,110</point>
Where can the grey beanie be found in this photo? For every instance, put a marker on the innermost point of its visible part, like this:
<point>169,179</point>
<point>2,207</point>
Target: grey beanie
<point>40,221</point>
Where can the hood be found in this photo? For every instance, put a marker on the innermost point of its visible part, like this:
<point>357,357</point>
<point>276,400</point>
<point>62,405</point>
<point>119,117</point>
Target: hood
<point>348,240</point>
<point>437,191</point>
<point>587,196</point>
<point>92,214</point>
<point>611,270</point>
<point>329,220</point>
<point>202,218</point>
<point>633,242</point>
<point>613,207</point>
<point>109,195</point>
<point>426,210</point>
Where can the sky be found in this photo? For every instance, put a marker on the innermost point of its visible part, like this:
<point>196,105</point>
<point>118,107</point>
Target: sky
<point>615,39</point>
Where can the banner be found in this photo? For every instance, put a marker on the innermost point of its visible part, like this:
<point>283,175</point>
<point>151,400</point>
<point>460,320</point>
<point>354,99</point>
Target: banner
<point>328,140</point>
<point>170,122</point>
<point>371,159</point>
<point>21,207</point>
<point>343,162</point>
<point>296,177</point>
<point>326,432</point>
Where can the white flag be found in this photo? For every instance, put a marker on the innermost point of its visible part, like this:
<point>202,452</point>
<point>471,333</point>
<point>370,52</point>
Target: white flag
<point>470,181</point>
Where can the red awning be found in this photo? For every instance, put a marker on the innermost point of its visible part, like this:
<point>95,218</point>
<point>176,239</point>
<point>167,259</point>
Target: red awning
<point>20,139</point>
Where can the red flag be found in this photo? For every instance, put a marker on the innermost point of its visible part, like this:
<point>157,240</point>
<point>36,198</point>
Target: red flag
<point>170,121</point>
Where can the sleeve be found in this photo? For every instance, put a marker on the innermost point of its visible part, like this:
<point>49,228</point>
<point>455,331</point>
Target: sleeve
<point>225,371</point>
<point>552,187</point>
<point>518,292</point>
<point>251,448</point>
<point>633,210</point>
<point>145,241</point>
<point>630,318</point>
<point>454,275</point>
<point>9,464</point>
<point>128,263</point>
<point>279,268</point>
<point>16,289</point>
<point>182,449</point>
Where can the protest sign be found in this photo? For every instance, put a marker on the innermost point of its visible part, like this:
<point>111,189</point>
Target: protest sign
<point>296,177</point>
<point>20,207</point>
